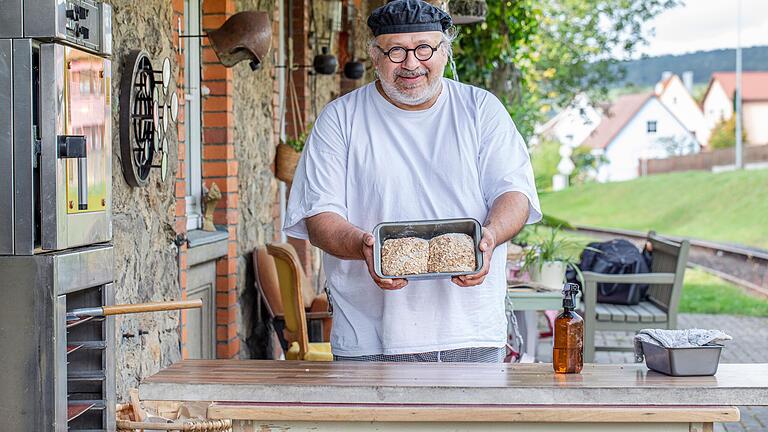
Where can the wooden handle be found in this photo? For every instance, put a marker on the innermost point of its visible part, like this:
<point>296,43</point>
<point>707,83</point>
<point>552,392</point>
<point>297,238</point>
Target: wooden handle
<point>152,307</point>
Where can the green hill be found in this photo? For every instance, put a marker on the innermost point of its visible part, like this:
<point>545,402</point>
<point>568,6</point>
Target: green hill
<point>647,71</point>
<point>727,207</point>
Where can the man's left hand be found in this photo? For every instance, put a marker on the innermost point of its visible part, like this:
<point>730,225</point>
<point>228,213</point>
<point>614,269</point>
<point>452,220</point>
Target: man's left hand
<point>487,245</point>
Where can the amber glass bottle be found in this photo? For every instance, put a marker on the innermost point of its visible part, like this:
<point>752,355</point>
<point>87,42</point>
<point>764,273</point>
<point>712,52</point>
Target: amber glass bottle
<point>568,350</point>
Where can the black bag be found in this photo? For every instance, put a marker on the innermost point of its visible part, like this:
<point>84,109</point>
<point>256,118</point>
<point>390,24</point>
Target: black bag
<point>616,256</point>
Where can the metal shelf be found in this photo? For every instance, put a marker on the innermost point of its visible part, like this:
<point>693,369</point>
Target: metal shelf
<point>76,409</point>
<point>77,322</point>
<point>97,375</point>
<point>73,348</point>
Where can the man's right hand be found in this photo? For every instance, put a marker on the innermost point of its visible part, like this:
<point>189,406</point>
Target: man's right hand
<point>387,284</point>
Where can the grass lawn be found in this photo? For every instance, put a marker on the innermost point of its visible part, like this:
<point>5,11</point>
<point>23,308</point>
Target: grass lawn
<point>727,207</point>
<point>704,293</point>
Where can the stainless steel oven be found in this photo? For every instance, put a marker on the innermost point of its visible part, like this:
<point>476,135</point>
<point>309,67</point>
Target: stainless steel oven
<point>55,215</point>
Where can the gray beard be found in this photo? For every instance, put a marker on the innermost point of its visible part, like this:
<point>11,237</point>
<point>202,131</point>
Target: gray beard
<point>402,98</point>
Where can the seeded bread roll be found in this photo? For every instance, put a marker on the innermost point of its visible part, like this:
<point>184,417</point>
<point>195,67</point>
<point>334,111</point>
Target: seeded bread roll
<point>404,256</point>
<point>452,252</point>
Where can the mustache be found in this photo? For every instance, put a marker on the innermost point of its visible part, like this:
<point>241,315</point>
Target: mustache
<point>410,73</point>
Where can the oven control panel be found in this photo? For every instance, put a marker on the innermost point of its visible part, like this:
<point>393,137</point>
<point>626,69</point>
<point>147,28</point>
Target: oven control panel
<point>83,23</point>
<point>86,24</point>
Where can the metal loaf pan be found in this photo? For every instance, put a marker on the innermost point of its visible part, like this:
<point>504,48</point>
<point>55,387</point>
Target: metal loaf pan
<point>426,229</point>
<point>694,361</point>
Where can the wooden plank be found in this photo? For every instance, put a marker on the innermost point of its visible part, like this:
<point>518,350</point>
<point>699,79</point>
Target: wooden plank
<point>468,413</point>
<point>603,312</point>
<point>631,313</point>
<point>457,383</point>
<point>645,314</point>
<point>656,314</point>
<point>617,313</point>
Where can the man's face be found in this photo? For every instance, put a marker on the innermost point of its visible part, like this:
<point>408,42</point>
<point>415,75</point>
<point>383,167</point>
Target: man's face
<point>413,81</point>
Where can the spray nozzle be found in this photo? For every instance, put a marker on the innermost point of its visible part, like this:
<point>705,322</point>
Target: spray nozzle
<point>570,291</point>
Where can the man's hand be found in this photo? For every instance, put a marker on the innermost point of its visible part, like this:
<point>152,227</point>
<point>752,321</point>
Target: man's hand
<point>387,284</point>
<point>487,245</point>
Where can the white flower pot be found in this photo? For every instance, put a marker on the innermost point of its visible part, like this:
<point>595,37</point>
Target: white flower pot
<point>550,274</point>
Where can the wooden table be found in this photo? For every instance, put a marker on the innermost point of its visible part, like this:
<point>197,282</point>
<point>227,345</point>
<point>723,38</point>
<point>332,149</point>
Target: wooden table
<point>345,396</point>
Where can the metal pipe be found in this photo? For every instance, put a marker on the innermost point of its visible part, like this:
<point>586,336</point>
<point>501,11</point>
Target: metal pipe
<point>739,162</point>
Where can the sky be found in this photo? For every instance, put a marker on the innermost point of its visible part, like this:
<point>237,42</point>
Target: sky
<point>706,25</point>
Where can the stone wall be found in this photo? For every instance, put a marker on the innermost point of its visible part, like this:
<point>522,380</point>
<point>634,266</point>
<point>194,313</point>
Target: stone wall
<point>146,267</point>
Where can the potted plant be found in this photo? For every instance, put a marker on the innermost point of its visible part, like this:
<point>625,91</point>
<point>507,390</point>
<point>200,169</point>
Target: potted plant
<point>547,257</point>
<point>288,154</point>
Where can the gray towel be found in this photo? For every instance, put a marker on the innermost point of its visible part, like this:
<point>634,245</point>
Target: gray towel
<point>677,339</point>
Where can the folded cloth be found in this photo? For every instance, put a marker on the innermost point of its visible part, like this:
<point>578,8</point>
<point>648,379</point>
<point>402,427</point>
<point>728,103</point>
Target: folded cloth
<point>686,338</point>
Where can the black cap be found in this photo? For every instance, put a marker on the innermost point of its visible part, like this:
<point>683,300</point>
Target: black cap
<point>408,16</point>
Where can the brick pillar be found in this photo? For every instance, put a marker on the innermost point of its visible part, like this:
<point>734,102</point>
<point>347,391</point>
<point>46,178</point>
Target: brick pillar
<point>181,185</point>
<point>219,165</point>
<point>299,33</point>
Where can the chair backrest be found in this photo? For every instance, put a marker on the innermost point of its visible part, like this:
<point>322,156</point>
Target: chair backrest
<point>267,282</point>
<point>290,276</point>
<point>668,257</point>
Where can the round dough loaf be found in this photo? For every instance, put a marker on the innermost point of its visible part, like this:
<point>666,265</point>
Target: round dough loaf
<point>453,252</point>
<point>404,256</point>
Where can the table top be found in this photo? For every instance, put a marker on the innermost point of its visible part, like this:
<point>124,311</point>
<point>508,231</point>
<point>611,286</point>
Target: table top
<point>450,383</point>
<point>530,299</point>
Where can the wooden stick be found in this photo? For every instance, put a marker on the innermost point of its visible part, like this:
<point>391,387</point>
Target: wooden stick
<point>152,307</point>
<point>138,411</point>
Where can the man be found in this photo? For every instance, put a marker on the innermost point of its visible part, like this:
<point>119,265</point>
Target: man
<point>412,146</point>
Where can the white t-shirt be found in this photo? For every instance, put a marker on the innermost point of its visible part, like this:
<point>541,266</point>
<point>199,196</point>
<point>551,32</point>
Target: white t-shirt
<point>372,162</point>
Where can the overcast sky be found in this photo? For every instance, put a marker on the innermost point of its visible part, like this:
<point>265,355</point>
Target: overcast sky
<point>707,25</point>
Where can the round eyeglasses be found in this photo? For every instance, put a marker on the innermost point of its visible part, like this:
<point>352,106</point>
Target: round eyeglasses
<point>398,54</point>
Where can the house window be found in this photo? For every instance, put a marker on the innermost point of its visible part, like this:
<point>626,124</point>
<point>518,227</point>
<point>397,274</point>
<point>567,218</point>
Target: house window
<point>651,127</point>
<point>192,114</point>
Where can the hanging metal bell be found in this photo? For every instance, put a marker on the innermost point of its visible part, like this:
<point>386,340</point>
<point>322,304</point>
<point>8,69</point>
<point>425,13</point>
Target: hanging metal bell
<point>325,64</point>
<point>354,70</point>
<point>243,36</point>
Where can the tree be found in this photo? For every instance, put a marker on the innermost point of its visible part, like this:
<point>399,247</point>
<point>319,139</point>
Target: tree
<point>535,55</point>
<point>724,134</point>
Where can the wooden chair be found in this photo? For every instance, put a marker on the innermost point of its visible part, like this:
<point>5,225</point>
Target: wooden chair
<point>290,276</point>
<point>268,288</point>
<point>659,310</point>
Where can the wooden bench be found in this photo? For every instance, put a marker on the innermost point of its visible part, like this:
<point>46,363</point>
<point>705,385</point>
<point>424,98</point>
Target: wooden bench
<point>659,310</point>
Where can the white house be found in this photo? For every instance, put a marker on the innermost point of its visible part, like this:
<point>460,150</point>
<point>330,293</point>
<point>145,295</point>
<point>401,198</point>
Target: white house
<point>674,94</point>
<point>636,127</point>
<point>573,124</point>
<point>718,102</point>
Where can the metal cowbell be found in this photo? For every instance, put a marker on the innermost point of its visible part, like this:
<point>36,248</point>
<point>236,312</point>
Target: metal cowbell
<point>243,36</point>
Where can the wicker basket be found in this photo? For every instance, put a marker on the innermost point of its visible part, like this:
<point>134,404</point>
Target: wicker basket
<point>187,425</point>
<point>286,160</point>
<point>126,420</point>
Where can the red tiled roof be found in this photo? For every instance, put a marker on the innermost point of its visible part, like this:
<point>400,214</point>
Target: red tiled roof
<point>615,118</point>
<point>754,84</point>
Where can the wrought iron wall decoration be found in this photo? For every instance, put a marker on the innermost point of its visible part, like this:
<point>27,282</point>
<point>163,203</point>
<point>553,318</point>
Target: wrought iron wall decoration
<point>148,105</point>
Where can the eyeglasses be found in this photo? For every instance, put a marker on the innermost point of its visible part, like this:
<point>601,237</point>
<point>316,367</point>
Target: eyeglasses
<point>398,54</point>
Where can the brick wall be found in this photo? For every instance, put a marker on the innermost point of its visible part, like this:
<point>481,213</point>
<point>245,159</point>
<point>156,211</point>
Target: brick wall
<point>219,165</point>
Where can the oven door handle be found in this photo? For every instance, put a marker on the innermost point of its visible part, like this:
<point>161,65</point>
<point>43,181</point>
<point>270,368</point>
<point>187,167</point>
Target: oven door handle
<point>76,147</point>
